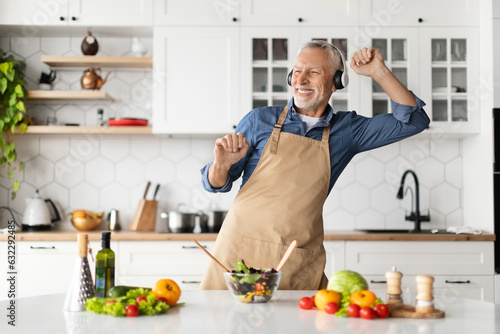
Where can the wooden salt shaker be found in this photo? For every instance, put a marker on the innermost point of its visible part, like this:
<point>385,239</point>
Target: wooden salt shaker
<point>424,296</point>
<point>393,293</point>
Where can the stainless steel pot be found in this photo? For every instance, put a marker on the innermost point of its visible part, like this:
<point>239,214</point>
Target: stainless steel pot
<point>179,222</point>
<point>212,221</point>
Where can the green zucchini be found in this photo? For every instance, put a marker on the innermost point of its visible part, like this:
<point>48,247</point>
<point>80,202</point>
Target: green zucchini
<point>121,290</point>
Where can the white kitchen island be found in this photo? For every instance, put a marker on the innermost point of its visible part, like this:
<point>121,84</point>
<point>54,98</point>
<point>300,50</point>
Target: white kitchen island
<point>217,312</point>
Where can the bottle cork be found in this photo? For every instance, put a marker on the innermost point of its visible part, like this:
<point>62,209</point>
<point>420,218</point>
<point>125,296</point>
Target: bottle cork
<point>82,240</point>
<point>424,294</point>
<point>393,293</point>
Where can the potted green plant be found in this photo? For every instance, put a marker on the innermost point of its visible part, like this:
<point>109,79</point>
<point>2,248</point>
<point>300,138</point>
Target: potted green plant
<point>12,109</point>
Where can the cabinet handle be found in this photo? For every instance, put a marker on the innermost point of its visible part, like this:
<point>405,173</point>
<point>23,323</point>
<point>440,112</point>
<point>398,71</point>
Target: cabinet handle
<point>73,18</point>
<point>42,247</point>
<point>191,282</point>
<point>458,282</point>
<point>377,282</point>
<point>235,19</point>
<point>191,247</point>
<point>61,18</point>
<point>299,19</point>
<point>420,20</point>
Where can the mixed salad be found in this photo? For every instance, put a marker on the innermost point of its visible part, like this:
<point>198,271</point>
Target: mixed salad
<point>252,285</point>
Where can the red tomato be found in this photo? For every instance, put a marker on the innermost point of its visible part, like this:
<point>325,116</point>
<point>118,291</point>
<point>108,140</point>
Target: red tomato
<point>331,308</point>
<point>313,300</point>
<point>110,302</point>
<point>382,310</point>
<point>161,299</point>
<point>353,310</point>
<point>139,299</point>
<point>367,313</point>
<point>305,303</point>
<point>131,310</point>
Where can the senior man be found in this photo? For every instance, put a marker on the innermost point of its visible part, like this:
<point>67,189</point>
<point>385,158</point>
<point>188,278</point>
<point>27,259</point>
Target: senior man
<point>290,157</point>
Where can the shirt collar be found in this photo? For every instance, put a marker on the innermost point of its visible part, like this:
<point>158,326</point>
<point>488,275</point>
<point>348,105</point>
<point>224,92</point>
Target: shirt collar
<point>293,115</point>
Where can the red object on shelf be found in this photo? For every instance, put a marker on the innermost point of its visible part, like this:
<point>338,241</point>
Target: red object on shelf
<point>127,122</point>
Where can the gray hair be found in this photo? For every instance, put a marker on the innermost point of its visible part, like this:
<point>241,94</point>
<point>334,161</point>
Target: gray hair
<point>335,56</point>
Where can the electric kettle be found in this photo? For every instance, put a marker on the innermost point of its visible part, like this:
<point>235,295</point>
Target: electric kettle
<point>37,216</point>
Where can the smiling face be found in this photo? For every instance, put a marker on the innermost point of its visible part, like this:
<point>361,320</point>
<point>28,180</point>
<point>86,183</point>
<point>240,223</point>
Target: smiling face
<point>312,81</point>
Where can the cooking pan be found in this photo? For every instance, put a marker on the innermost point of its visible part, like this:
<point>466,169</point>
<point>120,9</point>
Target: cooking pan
<point>212,221</point>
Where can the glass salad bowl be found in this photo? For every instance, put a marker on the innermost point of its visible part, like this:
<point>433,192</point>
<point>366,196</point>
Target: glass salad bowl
<point>257,286</point>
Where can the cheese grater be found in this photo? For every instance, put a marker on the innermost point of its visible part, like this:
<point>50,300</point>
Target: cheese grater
<point>81,286</point>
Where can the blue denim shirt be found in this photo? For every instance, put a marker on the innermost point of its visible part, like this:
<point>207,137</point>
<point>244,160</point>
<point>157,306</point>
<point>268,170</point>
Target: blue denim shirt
<point>350,134</point>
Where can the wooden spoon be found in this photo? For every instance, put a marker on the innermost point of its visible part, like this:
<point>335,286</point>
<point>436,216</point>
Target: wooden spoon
<point>287,255</point>
<point>213,258</point>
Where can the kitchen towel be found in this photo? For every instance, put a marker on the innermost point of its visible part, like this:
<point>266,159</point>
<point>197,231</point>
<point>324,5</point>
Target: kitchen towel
<point>463,230</point>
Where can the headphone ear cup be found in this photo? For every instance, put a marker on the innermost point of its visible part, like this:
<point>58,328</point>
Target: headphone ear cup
<point>289,78</point>
<point>337,80</point>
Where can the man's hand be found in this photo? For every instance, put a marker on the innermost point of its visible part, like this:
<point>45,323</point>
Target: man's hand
<point>368,62</point>
<point>228,150</point>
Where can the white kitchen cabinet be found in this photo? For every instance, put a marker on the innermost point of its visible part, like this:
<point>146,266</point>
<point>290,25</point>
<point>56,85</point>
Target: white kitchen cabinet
<point>407,13</point>
<point>460,269</point>
<point>197,13</point>
<point>142,264</point>
<point>196,74</point>
<point>45,267</point>
<point>298,13</point>
<point>449,80</point>
<point>77,13</point>
<point>335,257</point>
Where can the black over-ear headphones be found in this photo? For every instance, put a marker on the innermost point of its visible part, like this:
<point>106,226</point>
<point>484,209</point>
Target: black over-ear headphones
<point>340,78</point>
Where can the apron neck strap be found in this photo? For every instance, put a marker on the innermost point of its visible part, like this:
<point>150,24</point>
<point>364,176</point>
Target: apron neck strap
<point>277,129</point>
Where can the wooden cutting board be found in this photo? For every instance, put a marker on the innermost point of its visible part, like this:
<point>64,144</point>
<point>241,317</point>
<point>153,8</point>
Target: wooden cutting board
<point>408,311</point>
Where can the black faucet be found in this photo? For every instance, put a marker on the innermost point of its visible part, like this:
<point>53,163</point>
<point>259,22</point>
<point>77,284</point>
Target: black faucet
<point>414,215</point>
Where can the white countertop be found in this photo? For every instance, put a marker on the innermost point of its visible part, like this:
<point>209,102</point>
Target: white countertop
<point>217,312</point>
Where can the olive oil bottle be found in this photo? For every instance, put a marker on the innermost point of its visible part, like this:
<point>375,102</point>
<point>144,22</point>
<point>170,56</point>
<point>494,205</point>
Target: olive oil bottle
<point>104,267</point>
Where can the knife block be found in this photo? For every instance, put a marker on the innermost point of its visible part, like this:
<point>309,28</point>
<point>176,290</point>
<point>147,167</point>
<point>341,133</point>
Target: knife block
<point>145,216</point>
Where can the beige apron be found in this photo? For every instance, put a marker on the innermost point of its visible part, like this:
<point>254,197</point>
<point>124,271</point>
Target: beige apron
<point>282,201</point>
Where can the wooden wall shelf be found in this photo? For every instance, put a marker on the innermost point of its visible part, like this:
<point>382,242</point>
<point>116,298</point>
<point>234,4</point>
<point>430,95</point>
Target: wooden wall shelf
<point>98,61</point>
<point>87,130</point>
<point>68,95</point>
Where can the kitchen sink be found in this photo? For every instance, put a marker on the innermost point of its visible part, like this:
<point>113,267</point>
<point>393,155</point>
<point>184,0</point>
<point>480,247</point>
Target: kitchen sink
<point>399,231</point>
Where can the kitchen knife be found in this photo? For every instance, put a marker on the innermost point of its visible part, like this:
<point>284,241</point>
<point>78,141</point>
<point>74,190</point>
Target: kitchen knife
<point>156,191</point>
<point>146,191</point>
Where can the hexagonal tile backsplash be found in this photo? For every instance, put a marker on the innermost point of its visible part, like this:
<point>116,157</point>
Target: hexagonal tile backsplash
<point>104,172</point>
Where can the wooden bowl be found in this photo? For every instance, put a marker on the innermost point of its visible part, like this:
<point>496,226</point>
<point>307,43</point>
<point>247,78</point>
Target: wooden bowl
<point>85,224</point>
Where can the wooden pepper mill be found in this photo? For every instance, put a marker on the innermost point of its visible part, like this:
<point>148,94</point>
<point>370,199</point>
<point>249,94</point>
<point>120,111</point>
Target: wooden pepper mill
<point>424,296</point>
<point>393,293</point>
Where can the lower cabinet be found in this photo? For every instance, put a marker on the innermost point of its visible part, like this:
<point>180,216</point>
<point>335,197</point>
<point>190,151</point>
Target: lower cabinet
<point>143,263</point>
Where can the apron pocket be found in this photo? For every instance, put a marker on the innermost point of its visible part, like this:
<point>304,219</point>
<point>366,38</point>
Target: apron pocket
<point>303,270</point>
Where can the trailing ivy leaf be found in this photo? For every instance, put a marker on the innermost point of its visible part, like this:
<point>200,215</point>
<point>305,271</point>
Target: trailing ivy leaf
<point>19,90</point>
<point>21,107</point>
<point>15,186</point>
<point>2,123</point>
<point>13,100</point>
<point>10,175</point>
<point>4,67</point>
<point>3,85</point>
<point>10,74</point>
<point>23,127</point>
<point>21,165</point>
<point>13,128</point>
<point>2,143</point>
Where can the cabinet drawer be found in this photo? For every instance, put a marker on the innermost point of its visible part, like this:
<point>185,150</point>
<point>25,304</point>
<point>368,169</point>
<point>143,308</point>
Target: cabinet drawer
<point>445,289</point>
<point>415,258</point>
<point>162,258</point>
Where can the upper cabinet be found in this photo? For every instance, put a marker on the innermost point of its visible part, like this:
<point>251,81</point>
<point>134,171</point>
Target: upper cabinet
<point>406,13</point>
<point>77,13</point>
<point>298,13</point>
<point>197,13</point>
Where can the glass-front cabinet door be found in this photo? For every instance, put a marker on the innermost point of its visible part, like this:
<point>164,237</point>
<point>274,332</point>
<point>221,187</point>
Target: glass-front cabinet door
<point>345,40</point>
<point>268,56</point>
<point>399,48</point>
<point>450,71</point>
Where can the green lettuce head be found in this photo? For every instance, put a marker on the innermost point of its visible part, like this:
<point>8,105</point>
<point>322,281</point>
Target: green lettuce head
<point>347,282</point>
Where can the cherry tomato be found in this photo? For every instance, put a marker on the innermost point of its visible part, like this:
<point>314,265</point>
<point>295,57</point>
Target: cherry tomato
<point>367,313</point>
<point>139,299</point>
<point>382,310</point>
<point>110,302</point>
<point>161,299</point>
<point>305,303</point>
<point>331,308</point>
<point>353,310</point>
<point>131,310</point>
<point>313,298</point>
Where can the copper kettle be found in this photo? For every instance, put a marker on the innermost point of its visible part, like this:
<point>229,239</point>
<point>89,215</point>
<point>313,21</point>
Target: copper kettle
<point>92,80</point>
